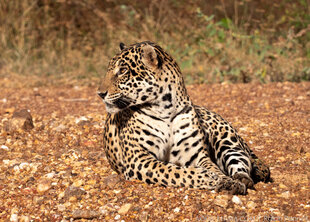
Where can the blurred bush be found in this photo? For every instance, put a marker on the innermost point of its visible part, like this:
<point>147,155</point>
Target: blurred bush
<point>65,41</point>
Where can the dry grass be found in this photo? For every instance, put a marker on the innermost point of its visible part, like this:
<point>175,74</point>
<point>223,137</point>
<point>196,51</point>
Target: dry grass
<point>72,40</point>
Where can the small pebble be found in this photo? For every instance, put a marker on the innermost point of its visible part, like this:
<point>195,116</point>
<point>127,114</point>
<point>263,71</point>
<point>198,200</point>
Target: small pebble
<point>85,214</point>
<point>4,147</point>
<point>6,162</point>
<point>82,118</point>
<point>78,183</point>
<point>73,191</point>
<point>176,210</point>
<point>286,194</point>
<point>275,211</point>
<point>23,165</point>
<point>236,200</point>
<point>125,208</point>
<point>222,201</point>
<point>282,186</point>
<point>43,186</point>
<point>24,218</point>
<point>60,128</point>
<point>61,207</point>
<point>14,218</point>
<point>251,205</point>
<point>50,175</point>
<point>16,169</point>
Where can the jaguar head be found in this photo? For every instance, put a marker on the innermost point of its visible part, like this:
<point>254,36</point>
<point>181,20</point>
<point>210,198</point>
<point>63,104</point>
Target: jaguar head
<point>133,77</point>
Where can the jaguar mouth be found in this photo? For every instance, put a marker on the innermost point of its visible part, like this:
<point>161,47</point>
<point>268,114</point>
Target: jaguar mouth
<point>117,105</point>
<point>122,103</point>
<point>109,105</point>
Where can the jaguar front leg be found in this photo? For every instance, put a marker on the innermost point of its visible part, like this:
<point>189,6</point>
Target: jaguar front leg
<point>153,171</point>
<point>228,150</point>
<point>227,183</point>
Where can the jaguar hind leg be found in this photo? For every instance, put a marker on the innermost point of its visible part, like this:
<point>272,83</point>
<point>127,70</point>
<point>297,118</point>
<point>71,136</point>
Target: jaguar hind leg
<point>260,171</point>
<point>228,150</point>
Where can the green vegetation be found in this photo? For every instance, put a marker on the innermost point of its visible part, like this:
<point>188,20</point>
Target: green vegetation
<point>219,41</point>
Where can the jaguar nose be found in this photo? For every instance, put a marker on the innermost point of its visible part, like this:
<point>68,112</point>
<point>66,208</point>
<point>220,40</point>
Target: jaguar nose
<point>102,94</point>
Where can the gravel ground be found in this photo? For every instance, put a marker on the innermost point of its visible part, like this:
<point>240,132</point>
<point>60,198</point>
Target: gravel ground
<point>53,168</point>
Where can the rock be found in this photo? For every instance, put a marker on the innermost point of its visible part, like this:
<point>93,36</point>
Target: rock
<point>61,207</point>
<point>24,218</point>
<point>16,169</point>
<point>60,128</point>
<point>81,120</point>
<point>281,159</point>
<point>91,182</point>
<point>236,200</point>
<point>103,210</point>
<point>24,166</point>
<point>73,191</point>
<point>72,199</point>
<point>125,208</point>
<point>38,200</point>
<point>14,218</point>
<point>43,185</point>
<point>50,175</point>
<point>4,147</point>
<point>251,192</point>
<point>9,110</point>
<point>275,211</point>
<point>112,180</point>
<point>61,195</point>
<point>251,205</point>
<point>282,186</point>
<point>85,214</point>
<point>21,120</point>
<point>286,194</point>
<point>222,201</point>
<point>78,183</point>
<point>143,216</point>
<point>14,215</point>
<point>176,210</point>
<point>83,123</point>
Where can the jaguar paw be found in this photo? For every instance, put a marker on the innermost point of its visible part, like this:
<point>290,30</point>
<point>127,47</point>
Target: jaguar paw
<point>232,186</point>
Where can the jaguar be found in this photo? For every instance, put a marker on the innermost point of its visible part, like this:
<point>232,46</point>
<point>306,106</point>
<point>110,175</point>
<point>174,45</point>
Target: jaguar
<point>154,133</point>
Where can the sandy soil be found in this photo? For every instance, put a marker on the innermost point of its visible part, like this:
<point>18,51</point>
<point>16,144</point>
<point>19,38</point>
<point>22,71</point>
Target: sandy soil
<point>58,170</point>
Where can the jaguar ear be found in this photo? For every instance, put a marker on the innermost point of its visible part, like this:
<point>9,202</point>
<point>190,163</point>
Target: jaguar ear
<point>122,46</point>
<point>149,56</point>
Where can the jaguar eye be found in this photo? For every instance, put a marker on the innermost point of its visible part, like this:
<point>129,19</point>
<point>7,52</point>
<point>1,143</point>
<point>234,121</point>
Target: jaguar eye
<point>122,71</point>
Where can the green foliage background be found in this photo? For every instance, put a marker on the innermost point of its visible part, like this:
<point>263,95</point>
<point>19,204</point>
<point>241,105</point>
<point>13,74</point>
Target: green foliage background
<point>61,41</point>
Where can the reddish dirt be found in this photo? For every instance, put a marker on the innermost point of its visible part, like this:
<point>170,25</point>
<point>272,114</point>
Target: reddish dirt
<point>58,170</point>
